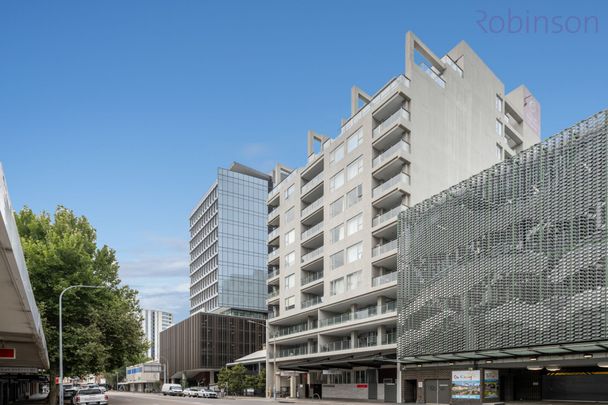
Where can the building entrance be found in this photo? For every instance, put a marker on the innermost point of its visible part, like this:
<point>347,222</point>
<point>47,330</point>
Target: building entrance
<point>437,391</point>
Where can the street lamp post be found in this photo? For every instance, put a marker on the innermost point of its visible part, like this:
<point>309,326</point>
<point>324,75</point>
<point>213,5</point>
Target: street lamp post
<point>274,358</point>
<point>61,334</point>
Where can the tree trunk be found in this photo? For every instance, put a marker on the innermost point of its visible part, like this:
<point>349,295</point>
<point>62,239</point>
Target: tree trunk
<point>53,388</point>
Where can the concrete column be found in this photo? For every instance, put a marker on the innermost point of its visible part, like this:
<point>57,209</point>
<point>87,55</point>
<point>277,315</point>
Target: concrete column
<point>399,384</point>
<point>211,377</point>
<point>381,332</point>
<point>380,301</point>
<point>353,339</point>
<point>293,385</point>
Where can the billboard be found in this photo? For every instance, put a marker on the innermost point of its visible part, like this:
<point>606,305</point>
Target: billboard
<point>466,384</point>
<point>490,384</point>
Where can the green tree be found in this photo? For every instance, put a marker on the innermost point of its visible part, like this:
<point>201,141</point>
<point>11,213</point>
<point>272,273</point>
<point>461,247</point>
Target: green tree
<point>233,379</point>
<point>101,326</point>
<point>261,382</point>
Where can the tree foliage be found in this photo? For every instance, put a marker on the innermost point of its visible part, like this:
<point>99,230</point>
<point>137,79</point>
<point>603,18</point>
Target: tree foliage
<point>236,378</point>
<point>101,326</point>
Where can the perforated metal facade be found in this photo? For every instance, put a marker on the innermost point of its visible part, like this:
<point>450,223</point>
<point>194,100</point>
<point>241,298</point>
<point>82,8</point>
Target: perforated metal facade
<point>515,256</point>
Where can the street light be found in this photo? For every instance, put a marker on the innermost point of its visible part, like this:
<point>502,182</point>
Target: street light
<point>61,334</point>
<point>274,358</point>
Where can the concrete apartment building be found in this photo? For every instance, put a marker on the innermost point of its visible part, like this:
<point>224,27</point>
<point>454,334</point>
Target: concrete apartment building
<point>228,245</point>
<point>332,224</point>
<point>153,323</point>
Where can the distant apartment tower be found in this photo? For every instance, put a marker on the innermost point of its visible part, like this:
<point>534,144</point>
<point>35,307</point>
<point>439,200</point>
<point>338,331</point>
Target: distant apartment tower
<point>153,323</point>
<point>228,245</point>
<point>332,266</point>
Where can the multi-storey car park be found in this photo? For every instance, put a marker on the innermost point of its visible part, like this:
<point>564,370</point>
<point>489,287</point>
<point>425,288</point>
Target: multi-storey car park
<point>332,224</point>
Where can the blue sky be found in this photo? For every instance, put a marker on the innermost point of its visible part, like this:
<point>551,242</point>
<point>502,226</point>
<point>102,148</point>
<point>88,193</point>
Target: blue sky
<point>123,110</point>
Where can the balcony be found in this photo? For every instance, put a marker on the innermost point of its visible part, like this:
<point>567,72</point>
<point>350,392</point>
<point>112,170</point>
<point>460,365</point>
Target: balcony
<point>512,131</point>
<point>290,330</point>
<point>273,294</point>
<point>315,254</point>
<point>311,302</point>
<point>388,307</point>
<point>336,346</point>
<point>384,279</point>
<point>314,206</point>
<point>273,256</point>
<point>367,342</point>
<point>273,314</point>
<point>402,179</point>
<point>312,231</point>
<point>389,338</point>
<point>273,193</point>
<point>399,118</point>
<point>274,234</point>
<point>273,274</point>
<point>314,276</point>
<point>400,149</point>
<point>387,247</point>
<point>293,351</point>
<point>306,188</point>
<point>390,215</point>
<point>272,216</point>
<point>433,74</point>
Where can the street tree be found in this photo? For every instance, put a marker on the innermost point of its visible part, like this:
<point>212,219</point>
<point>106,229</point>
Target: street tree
<point>102,329</point>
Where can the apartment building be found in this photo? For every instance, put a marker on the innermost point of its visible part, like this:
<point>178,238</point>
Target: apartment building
<point>228,245</point>
<point>332,224</point>
<point>153,322</point>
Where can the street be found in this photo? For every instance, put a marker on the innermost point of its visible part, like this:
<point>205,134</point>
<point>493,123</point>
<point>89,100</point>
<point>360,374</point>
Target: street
<point>133,398</point>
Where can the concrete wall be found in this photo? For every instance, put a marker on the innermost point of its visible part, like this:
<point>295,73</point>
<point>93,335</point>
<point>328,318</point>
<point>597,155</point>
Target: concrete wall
<point>345,391</point>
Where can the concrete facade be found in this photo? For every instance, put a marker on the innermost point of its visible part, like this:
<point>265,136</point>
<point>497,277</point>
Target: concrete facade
<point>153,323</point>
<point>332,224</point>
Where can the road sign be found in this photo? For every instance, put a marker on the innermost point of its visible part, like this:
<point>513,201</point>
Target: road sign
<point>8,353</point>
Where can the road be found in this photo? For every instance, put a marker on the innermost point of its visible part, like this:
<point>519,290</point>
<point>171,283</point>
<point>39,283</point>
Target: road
<point>133,398</point>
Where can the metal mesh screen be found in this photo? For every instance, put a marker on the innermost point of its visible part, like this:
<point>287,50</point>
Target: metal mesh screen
<point>514,256</point>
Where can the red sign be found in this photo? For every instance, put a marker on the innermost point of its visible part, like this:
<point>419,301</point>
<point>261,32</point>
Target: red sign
<point>56,380</point>
<point>7,354</point>
<point>361,385</point>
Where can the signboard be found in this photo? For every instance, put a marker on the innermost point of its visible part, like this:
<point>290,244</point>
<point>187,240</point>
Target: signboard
<point>332,371</point>
<point>18,370</point>
<point>490,384</point>
<point>361,385</point>
<point>8,353</point>
<point>466,384</point>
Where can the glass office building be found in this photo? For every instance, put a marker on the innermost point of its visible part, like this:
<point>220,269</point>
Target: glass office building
<point>228,245</point>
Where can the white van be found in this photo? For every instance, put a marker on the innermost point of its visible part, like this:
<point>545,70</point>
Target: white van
<point>172,389</point>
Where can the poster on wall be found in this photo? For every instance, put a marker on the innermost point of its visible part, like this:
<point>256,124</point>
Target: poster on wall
<point>490,384</point>
<point>466,384</point>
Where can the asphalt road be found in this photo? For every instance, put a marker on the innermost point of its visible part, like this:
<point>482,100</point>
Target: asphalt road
<point>132,398</point>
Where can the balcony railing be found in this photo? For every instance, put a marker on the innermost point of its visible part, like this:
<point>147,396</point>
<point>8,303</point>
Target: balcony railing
<point>273,294</point>
<point>448,61</point>
<point>387,278</point>
<point>312,183</point>
<point>312,277</point>
<point>312,231</point>
<point>390,183</point>
<point>311,255</point>
<point>293,351</point>
<point>290,330</point>
<point>433,75</point>
<point>273,234</point>
<point>387,247</point>
<point>334,346</point>
<point>273,314</point>
<point>400,115</point>
<point>367,342</point>
<point>273,255</point>
<point>310,302</point>
<point>273,192</point>
<point>273,214</point>
<point>389,338</point>
<point>388,307</point>
<point>366,313</point>
<point>336,319</point>
<point>399,147</point>
<point>312,207</point>
<point>273,273</point>
<point>391,214</point>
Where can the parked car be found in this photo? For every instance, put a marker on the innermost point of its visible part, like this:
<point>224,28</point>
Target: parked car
<point>90,396</point>
<point>172,389</point>
<point>69,390</point>
<point>192,391</point>
<point>207,393</point>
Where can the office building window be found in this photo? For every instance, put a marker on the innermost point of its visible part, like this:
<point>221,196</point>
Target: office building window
<point>290,237</point>
<point>354,252</point>
<point>353,280</point>
<point>354,224</point>
<point>354,196</point>
<point>354,140</point>
<point>360,376</point>
<point>289,191</point>
<point>336,181</point>
<point>290,259</point>
<point>290,302</point>
<point>336,286</point>
<point>498,103</point>
<point>290,214</point>
<point>353,169</point>
<point>498,128</point>
<point>290,281</point>
<point>336,260</point>
<point>337,154</point>
<point>499,153</point>
<point>337,207</point>
<point>337,233</point>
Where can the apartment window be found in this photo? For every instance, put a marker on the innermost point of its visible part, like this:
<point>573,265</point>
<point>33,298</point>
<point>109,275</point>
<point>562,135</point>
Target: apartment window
<point>498,103</point>
<point>354,140</point>
<point>337,207</point>
<point>289,191</point>
<point>336,260</point>
<point>337,154</point>
<point>290,281</point>
<point>498,128</point>
<point>290,214</point>
<point>499,153</point>
<point>353,169</point>
<point>290,302</point>
<point>336,286</point>
<point>353,280</point>
<point>354,225</point>
<point>336,181</point>
<point>337,233</point>
<point>354,252</point>
<point>290,237</point>
<point>290,259</point>
<point>354,196</point>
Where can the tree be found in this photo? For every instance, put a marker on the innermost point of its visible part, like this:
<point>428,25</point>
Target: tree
<point>101,327</point>
<point>233,379</point>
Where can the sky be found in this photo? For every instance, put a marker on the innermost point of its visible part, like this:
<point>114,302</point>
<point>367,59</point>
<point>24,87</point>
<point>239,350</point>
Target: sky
<point>122,110</point>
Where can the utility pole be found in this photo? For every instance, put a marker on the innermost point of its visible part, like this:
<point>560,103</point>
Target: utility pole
<point>274,358</point>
